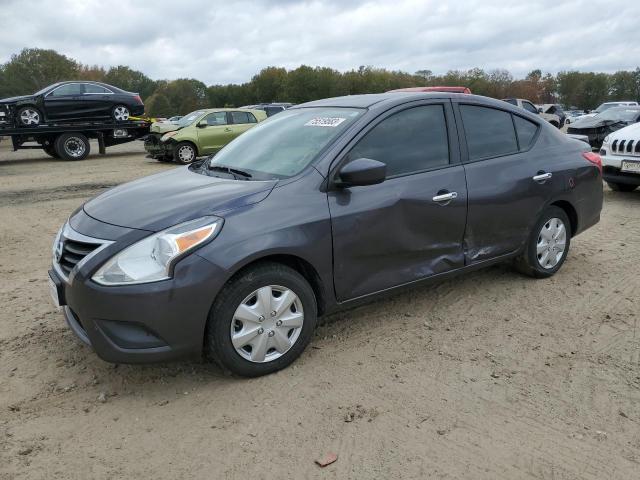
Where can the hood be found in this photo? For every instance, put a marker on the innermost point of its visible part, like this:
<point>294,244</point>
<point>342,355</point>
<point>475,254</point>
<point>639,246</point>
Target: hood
<point>15,99</point>
<point>160,201</point>
<point>632,132</point>
<point>593,122</point>
<point>163,127</point>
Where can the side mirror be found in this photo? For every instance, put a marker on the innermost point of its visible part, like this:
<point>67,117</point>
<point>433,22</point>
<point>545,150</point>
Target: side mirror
<point>360,172</point>
<point>202,124</point>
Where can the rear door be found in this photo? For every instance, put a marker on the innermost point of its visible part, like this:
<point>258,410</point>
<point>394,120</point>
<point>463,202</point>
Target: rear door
<point>508,183</point>
<point>64,102</point>
<point>241,122</point>
<point>97,100</point>
<point>410,226</point>
<point>216,134</point>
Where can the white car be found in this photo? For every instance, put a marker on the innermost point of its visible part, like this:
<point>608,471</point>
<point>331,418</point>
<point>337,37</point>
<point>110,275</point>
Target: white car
<point>620,153</point>
<point>552,118</point>
<point>605,106</point>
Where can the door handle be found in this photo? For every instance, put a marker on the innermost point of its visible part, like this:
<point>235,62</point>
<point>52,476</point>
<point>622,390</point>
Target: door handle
<point>541,176</point>
<point>445,197</point>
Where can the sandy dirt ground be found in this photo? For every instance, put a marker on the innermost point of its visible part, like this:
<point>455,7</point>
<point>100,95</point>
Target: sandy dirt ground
<point>489,376</point>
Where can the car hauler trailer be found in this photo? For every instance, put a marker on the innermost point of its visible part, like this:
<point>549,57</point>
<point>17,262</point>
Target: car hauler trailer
<point>70,141</point>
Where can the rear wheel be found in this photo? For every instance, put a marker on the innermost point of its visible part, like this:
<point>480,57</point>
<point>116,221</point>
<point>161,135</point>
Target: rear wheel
<point>29,116</point>
<point>72,146</point>
<point>548,245</point>
<point>184,153</point>
<point>621,187</point>
<point>261,321</point>
<point>120,113</point>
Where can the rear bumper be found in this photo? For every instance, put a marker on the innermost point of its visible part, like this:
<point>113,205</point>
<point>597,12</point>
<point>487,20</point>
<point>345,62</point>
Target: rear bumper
<point>137,110</point>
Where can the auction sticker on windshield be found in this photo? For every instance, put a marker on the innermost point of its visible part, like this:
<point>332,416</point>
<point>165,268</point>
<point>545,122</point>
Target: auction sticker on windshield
<point>324,122</point>
<point>630,166</point>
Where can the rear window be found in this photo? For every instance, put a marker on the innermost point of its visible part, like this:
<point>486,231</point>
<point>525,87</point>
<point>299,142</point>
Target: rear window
<point>489,132</point>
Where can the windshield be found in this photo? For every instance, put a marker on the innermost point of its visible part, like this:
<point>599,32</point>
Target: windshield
<point>189,118</point>
<point>285,144</point>
<point>50,87</point>
<point>620,114</point>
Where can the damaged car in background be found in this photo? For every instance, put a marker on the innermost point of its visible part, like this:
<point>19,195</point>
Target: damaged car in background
<point>598,127</point>
<point>199,133</point>
<point>552,118</point>
<point>69,102</point>
<point>620,155</point>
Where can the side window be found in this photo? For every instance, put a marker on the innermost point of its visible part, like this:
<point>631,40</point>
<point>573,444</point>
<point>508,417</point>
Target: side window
<point>68,89</point>
<point>526,131</point>
<point>91,88</point>
<point>242,117</point>
<point>529,107</point>
<point>489,132</point>
<point>271,111</point>
<point>216,118</point>
<point>410,141</point>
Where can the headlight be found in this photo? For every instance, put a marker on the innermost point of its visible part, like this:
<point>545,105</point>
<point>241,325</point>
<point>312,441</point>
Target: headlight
<point>167,136</point>
<point>606,139</point>
<point>152,258</point>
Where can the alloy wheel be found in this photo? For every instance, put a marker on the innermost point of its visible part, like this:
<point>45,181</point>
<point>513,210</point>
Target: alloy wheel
<point>552,242</point>
<point>267,323</point>
<point>121,114</point>
<point>29,116</point>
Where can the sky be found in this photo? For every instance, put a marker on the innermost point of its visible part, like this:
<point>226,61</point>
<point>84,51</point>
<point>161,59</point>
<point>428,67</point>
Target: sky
<point>221,42</point>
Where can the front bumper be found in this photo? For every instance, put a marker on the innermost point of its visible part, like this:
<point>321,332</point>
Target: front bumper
<point>157,148</point>
<point>611,165</point>
<point>140,323</point>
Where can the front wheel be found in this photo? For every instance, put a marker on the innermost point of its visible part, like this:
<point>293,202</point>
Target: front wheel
<point>621,187</point>
<point>184,153</point>
<point>29,116</point>
<point>548,245</point>
<point>261,321</point>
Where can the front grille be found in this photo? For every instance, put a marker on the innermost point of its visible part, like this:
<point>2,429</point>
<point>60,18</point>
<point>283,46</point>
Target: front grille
<point>73,252</point>
<point>626,147</point>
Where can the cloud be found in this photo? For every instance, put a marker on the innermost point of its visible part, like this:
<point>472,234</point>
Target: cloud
<point>222,42</point>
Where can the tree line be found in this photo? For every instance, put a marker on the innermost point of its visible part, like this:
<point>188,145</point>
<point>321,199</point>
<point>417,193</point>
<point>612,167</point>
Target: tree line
<point>32,69</point>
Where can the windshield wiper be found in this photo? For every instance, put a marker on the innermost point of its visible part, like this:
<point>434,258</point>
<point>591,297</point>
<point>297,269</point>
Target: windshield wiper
<point>232,171</point>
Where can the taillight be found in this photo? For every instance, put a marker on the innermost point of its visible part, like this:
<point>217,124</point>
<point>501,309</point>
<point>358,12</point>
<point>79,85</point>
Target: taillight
<point>137,99</point>
<point>593,158</point>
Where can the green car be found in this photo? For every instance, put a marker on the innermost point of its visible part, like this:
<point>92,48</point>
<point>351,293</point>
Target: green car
<point>199,133</point>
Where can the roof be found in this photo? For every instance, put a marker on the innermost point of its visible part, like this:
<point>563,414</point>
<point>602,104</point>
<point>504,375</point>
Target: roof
<point>434,89</point>
<point>390,99</point>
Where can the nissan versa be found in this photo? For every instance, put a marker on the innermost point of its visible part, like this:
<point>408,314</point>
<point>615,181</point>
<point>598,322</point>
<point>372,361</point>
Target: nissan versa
<point>320,207</point>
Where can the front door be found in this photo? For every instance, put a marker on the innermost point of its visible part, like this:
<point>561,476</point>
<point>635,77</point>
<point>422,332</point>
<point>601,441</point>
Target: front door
<point>410,226</point>
<point>216,134</point>
<point>64,102</point>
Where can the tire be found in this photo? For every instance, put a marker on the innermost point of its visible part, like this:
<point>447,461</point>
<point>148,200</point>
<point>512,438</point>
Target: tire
<point>621,187</point>
<point>29,116</point>
<point>120,113</point>
<point>533,261</point>
<point>51,151</point>
<point>260,355</point>
<point>72,146</point>
<point>184,153</point>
